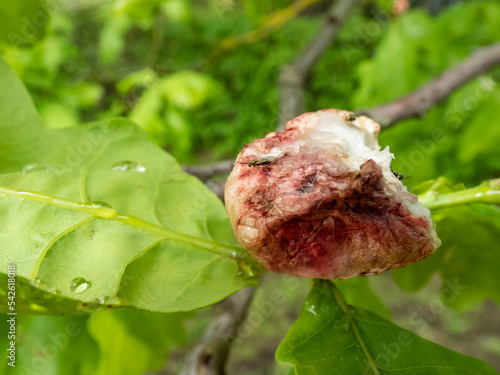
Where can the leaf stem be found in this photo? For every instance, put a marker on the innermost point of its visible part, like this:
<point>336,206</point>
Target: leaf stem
<point>488,192</point>
<point>345,307</point>
<point>91,208</point>
<point>226,250</point>
<point>101,210</point>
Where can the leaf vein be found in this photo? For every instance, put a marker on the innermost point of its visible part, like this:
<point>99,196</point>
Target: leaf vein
<point>350,317</point>
<point>51,243</point>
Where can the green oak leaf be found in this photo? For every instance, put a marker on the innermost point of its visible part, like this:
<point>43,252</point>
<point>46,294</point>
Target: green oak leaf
<point>332,337</point>
<point>466,260</point>
<point>99,215</point>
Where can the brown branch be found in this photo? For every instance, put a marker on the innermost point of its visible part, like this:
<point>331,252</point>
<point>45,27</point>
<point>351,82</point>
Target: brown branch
<point>217,185</point>
<point>293,77</point>
<point>206,171</point>
<point>210,355</point>
<point>421,100</point>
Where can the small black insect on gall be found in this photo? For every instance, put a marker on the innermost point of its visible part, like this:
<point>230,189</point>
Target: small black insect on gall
<point>264,161</point>
<point>399,176</point>
<point>350,117</point>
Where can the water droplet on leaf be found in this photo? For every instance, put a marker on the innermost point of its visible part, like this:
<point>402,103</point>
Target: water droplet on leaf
<point>128,166</point>
<point>97,204</point>
<point>52,291</point>
<point>37,283</point>
<point>79,285</point>
<point>311,308</point>
<point>101,209</point>
<point>102,300</point>
<point>36,167</point>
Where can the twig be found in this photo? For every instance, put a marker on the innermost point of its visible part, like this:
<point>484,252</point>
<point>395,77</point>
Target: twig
<point>209,356</point>
<point>206,171</point>
<point>292,77</point>
<point>272,23</point>
<point>217,185</point>
<point>419,101</point>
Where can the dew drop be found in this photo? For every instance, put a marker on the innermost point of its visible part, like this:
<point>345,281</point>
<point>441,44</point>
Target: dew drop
<point>311,308</point>
<point>79,285</point>
<point>128,166</point>
<point>52,291</point>
<point>37,283</point>
<point>101,209</point>
<point>36,167</point>
<point>102,300</point>
<point>97,204</point>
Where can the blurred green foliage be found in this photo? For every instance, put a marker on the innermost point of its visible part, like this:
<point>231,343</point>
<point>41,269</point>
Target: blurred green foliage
<point>24,21</point>
<point>108,342</point>
<point>159,63</point>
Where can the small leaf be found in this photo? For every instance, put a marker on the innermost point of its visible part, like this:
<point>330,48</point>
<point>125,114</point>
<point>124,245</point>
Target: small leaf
<point>466,259</point>
<point>332,337</point>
